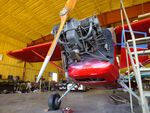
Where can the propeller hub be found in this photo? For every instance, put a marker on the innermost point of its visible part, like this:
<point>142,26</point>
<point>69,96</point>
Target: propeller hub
<point>64,11</point>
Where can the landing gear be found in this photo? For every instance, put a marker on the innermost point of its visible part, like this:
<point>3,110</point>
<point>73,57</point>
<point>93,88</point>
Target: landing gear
<point>53,102</point>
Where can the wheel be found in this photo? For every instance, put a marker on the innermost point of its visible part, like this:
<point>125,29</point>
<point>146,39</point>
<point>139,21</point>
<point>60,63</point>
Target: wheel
<point>53,103</point>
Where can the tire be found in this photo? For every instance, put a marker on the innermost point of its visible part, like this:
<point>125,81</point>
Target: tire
<point>53,103</point>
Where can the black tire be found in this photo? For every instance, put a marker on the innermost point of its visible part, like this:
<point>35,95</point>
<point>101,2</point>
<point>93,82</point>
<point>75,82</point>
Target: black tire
<point>53,103</point>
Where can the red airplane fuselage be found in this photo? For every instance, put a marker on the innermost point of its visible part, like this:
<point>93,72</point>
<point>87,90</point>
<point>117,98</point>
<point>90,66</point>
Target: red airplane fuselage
<point>95,72</point>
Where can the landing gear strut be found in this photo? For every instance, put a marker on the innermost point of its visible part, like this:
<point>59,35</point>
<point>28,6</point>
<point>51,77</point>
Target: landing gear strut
<point>54,100</point>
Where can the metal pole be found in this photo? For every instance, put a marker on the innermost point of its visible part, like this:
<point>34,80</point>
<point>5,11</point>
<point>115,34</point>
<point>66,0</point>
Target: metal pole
<point>137,62</point>
<point>122,21</point>
<point>67,92</point>
<point>48,85</point>
<point>24,71</point>
<point>40,85</point>
<point>128,89</point>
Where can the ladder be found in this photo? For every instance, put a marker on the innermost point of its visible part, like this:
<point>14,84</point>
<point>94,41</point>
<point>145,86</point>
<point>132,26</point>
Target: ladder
<point>138,71</point>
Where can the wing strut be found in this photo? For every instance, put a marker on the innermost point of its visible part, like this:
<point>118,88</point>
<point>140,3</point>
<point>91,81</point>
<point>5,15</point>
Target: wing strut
<point>51,62</point>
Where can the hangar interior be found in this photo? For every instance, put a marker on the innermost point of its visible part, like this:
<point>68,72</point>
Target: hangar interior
<point>28,23</point>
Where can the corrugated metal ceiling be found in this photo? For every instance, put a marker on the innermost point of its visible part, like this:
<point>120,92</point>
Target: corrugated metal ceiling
<point>27,20</point>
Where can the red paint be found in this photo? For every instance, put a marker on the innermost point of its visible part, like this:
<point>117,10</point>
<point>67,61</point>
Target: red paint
<point>94,69</point>
<point>141,26</point>
<point>27,54</point>
<point>123,60</point>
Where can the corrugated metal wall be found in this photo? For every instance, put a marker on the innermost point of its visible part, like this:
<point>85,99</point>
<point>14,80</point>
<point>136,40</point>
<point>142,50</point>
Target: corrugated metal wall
<point>10,66</point>
<point>34,68</point>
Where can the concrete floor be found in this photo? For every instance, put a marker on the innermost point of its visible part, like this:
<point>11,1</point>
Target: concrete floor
<point>92,101</point>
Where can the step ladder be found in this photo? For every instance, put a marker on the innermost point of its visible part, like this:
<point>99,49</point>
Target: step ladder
<point>140,72</point>
<point>137,69</point>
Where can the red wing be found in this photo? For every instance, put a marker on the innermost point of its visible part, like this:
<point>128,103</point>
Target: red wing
<point>35,53</point>
<point>141,26</point>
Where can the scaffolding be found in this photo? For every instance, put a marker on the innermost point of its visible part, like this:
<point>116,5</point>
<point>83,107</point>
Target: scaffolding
<point>137,69</point>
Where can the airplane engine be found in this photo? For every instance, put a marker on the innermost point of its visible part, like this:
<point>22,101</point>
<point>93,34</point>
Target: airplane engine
<point>87,50</point>
<point>85,38</point>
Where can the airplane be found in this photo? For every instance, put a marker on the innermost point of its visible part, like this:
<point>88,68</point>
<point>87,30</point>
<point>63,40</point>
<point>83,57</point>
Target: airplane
<point>88,52</point>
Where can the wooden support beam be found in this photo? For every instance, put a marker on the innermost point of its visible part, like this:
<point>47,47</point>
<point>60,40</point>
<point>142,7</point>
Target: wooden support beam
<point>24,71</point>
<point>43,39</point>
<point>114,16</point>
